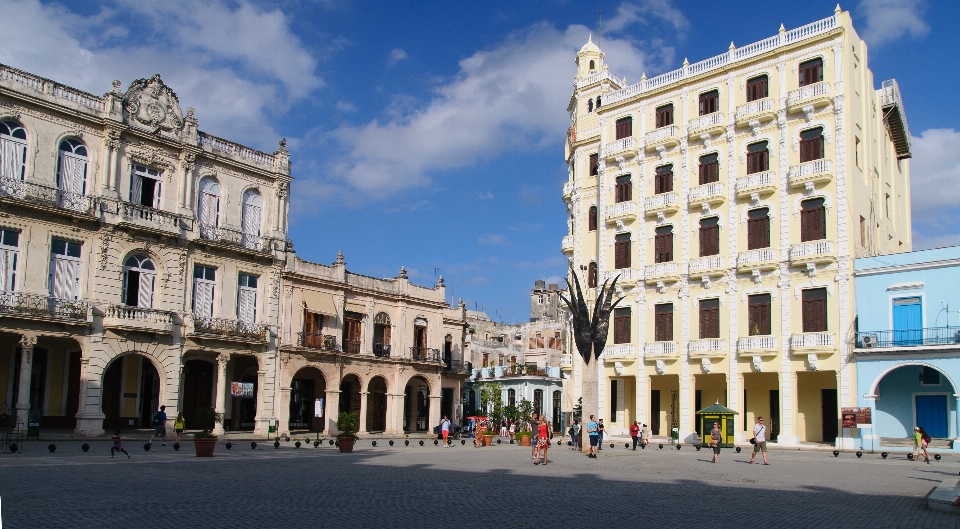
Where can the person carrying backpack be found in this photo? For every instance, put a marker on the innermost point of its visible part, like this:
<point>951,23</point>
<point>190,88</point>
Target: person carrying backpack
<point>160,426</point>
<point>924,442</point>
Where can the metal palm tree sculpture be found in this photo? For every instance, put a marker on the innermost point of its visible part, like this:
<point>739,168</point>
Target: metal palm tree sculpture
<point>590,335</point>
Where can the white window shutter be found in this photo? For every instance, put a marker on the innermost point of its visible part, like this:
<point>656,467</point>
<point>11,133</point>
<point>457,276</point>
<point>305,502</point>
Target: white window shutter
<point>80,176</point>
<point>156,194</point>
<point>204,301</point>
<point>11,158</point>
<point>6,272</point>
<point>208,209</point>
<point>136,189</point>
<point>251,220</point>
<point>67,171</point>
<point>247,305</point>
<point>145,292</point>
<point>65,278</point>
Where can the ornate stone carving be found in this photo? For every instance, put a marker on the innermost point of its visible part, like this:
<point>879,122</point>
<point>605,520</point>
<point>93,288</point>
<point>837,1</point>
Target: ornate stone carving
<point>28,341</point>
<point>146,154</point>
<point>706,365</point>
<point>151,104</point>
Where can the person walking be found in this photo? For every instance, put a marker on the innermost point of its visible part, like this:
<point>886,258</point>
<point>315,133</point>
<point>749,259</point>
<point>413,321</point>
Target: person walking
<point>759,441</point>
<point>160,426</point>
<point>924,443</point>
<point>600,429</point>
<point>503,427</point>
<point>593,430</point>
<point>534,429</point>
<point>178,425</point>
<point>635,434</point>
<point>715,436</point>
<point>513,429</point>
<point>645,436</point>
<point>117,445</point>
<point>543,441</point>
<point>917,440</point>
<point>575,435</point>
<point>445,430</point>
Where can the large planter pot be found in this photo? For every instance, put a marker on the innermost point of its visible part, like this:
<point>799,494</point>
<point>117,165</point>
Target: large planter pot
<point>205,446</point>
<point>345,444</point>
<point>524,440</point>
<point>487,440</point>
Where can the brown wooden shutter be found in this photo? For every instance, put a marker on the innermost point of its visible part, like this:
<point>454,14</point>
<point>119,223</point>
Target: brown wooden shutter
<point>758,314</point>
<point>663,244</point>
<point>624,128</point>
<point>621,326</point>
<point>663,324</point>
<point>756,88</point>
<point>811,72</point>
<point>758,229</point>
<point>594,165</point>
<point>709,169</point>
<point>709,241</point>
<point>708,102</point>
<point>621,255</point>
<point>811,145</point>
<point>709,318</point>
<point>813,218</point>
<point>308,322</point>
<point>592,219</point>
<point>592,275</point>
<point>815,310</point>
<point>622,189</point>
<point>665,116</point>
<point>663,181</point>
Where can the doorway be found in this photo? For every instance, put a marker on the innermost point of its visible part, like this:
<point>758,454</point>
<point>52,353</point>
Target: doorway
<point>829,414</point>
<point>932,414</point>
<point>131,393</point>
<point>377,405</point>
<point>197,389</point>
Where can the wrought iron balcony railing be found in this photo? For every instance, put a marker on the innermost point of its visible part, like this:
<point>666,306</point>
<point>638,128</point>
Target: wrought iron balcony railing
<point>40,195</point>
<point>351,346</point>
<point>909,337</point>
<point>39,305</point>
<point>230,328</point>
<point>324,342</point>
<point>383,350</point>
<point>425,354</point>
<point>236,238</point>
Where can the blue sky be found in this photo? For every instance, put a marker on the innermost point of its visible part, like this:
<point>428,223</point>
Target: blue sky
<point>430,134</point>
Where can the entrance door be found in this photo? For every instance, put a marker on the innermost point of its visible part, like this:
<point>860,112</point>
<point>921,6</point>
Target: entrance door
<point>110,395</point>
<point>245,410</point>
<point>655,411</point>
<point>197,389</point>
<point>556,411</point>
<point>301,403</point>
<point>907,321</point>
<point>828,411</point>
<point>149,393</point>
<point>932,414</point>
<point>446,403</point>
<point>774,414</point>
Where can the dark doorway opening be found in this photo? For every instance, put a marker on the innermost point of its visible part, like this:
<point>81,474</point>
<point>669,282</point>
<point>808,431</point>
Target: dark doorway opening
<point>828,403</point>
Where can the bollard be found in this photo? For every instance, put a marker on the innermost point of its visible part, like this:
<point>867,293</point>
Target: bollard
<point>421,442</point>
<point>229,445</point>
<point>391,442</point>
<point>678,447</point>
<point>661,446</point>
<point>498,441</point>
<point>14,448</point>
<point>146,447</point>
<point>316,444</point>
<point>937,457</point>
<point>437,442</point>
<point>910,457</point>
<point>332,442</point>
<point>276,445</point>
<point>738,449</point>
<point>176,446</point>
<point>836,453</point>
<point>859,454</point>
<point>883,455</point>
<point>463,441</point>
<point>406,442</point>
<point>253,445</point>
<point>697,447</point>
<point>85,447</point>
<point>297,444</point>
<point>374,443</point>
<point>52,448</point>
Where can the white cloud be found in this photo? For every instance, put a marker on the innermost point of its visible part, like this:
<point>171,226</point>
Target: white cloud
<point>345,106</point>
<point>888,20</point>
<point>485,196</point>
<point>491,238</point>
<point>934,174</point>
<point>630,13</point>
<point>396,55</point>
<point>234,62</point>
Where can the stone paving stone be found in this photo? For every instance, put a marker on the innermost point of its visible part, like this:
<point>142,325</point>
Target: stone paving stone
<point>435,487</point>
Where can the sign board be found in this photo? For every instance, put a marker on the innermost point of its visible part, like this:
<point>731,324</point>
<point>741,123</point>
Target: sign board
<point>242,390</point>
<point>318,408</point>
<point>855,417</point>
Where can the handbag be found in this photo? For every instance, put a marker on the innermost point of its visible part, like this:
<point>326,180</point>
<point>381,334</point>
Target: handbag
<point>753,440</point>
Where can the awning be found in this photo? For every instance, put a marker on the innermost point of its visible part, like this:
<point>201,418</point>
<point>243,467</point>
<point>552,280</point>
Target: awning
<point>320,302</point>
<point>356,306</point>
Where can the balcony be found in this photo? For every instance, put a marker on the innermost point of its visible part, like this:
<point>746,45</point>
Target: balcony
<point>712,193</point>
<point>48,199</point>
<point>351,346</point>
<point>655,350</point>
<point>926,337</point>
<point>230,330</point>
<point>624,211</point>
<point>566,362</point>
<point>225,237</point>
<point>152,220</point>
<point>628,276</point>
<point>756,112</point>
<point>619,352</point>
<point>459,366</point>
<point>811,173</point>
<point>812,252</point>
<point>813,343</point>
<point>622,148</point>
<point>707,348</point>
<point>126,318</point>
<point>895,118</point>
<point>661,273</point>
<point>707,127</point>
<point>40,307</point>
<point>809,98</point>
<point>759,183</point>
<point>762,259</point>
<point>567,190</point>
<point>758,346</point>
<point>425,354</point>
<point>712,266</point>
<point>566,245</point>
<point>662,138</point>
<point>323,342</point>
<point>662,203</point>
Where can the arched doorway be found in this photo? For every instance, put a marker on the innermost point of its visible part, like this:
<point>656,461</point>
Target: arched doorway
<point>381,334</point>
<point>197,386</point>
<point>416,405</point>
<point>350,394</point>
<point>915,395</point>
<point>242,386</point>
<point>307,386</point>
<point>131,392</point>
<point>377,405</point>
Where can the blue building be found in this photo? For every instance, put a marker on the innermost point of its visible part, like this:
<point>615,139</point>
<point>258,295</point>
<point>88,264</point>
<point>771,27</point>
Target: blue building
<point>907,346</point>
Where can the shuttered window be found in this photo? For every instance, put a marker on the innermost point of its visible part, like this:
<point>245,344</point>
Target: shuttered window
<point>72,175</point>
<point>663,323</point>
<point>758,228</point>
<point>621,251</point>
<point>709,102</point>
<point>663,244</point>
<point>758,314</point>
<point>594,165</point>
<point>623,189</point>
<point>758,158</point>
<point>813,220</point>
<point>13,150</point>
<point>663,180</point>
<point>592,219</point>
<point>664,116</point>
<point>247,298</point>
<point>64,276</point>
<point>811,72</point>
<point>709,236</point>
<point>592,275</point>
<point>757,88</point>
<point>709,168</point>
<point>204,285</point>
<point>139,281</point>
<point>250,222</point>
<point>313,322</point>
<point>811,145</point>
<point>621,326</point>
<point>815,310</point>
<point>624,128</point>
<point>709,318</point>
<point>145,186</point>
<point>9,255</point>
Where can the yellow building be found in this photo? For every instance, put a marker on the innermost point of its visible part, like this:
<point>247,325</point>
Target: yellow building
<point>731,196</point>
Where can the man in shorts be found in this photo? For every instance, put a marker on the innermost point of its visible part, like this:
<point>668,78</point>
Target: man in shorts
<point>160,426</point>
<point>534,428</point>
<point>760,438</point>
<point>445,429</point>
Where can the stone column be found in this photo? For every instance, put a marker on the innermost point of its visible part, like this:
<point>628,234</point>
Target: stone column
<point>362,426</point>
<point>221,388</point>
<point>433,418</point>
<point>331,406</point>
<point>27,343</point>
<point>956,415</point>
<point>261,429</point>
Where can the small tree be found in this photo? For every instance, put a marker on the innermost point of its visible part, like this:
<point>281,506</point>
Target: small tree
<point>578,409</point>
<point>348,424</point>
<point>206,419</point>
<point>526,410</point>
<point>491,396</point>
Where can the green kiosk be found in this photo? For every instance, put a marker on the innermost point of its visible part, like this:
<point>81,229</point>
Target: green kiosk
<point>721,414</point>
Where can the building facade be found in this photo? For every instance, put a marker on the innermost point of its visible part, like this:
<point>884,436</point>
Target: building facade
<point>907,346</point>
<point>730,198</point>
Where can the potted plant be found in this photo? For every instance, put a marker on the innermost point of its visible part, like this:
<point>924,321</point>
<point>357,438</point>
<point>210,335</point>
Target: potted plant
<point>203,441</point>
<point>347,424</point>
<point>524,435</point>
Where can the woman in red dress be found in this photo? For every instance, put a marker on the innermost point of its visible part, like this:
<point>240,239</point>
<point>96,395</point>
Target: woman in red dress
<point>543,441</point>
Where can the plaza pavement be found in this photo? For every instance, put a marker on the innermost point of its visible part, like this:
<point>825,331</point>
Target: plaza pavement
<point>496,487</point>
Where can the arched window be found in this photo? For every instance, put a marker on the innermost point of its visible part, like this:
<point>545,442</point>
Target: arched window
<point>72,174</point>
<point>589,105</point>
<point>511,397</point>
<point>538,401</point>
<point>592,275</point>
<point>208,208</point>
<point>598,102</point>
<point>592,65</point>
<point>13,151</point>
<point>139,279</point>
<point>381,334</point>
<point>250,224</point>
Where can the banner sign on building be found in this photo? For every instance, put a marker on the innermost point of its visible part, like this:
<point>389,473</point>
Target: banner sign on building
<point>241,390</point>
<point>318,408</point>
<point>855,417</point>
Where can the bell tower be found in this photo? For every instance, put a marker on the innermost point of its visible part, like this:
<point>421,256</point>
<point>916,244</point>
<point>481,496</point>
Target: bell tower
<point>589,59</point>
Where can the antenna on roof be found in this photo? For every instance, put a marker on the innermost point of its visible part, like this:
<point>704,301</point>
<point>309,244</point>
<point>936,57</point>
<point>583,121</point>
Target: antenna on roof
<point>599,26</point>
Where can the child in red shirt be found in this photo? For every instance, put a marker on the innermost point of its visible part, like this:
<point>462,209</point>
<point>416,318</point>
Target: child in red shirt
<point>117,444</point>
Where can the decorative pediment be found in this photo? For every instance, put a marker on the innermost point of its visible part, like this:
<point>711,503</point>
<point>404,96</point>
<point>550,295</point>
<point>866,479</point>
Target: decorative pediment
<point>152,105</point>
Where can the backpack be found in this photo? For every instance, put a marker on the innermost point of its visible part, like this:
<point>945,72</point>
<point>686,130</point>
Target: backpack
<point>156,419</point>
<point>926,438</point>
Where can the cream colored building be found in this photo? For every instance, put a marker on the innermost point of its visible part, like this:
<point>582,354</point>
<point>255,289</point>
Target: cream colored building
<point>731,196</point>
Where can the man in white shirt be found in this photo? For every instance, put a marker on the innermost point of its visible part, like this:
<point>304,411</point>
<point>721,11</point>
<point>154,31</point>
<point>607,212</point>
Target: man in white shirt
<point>760,441</point>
